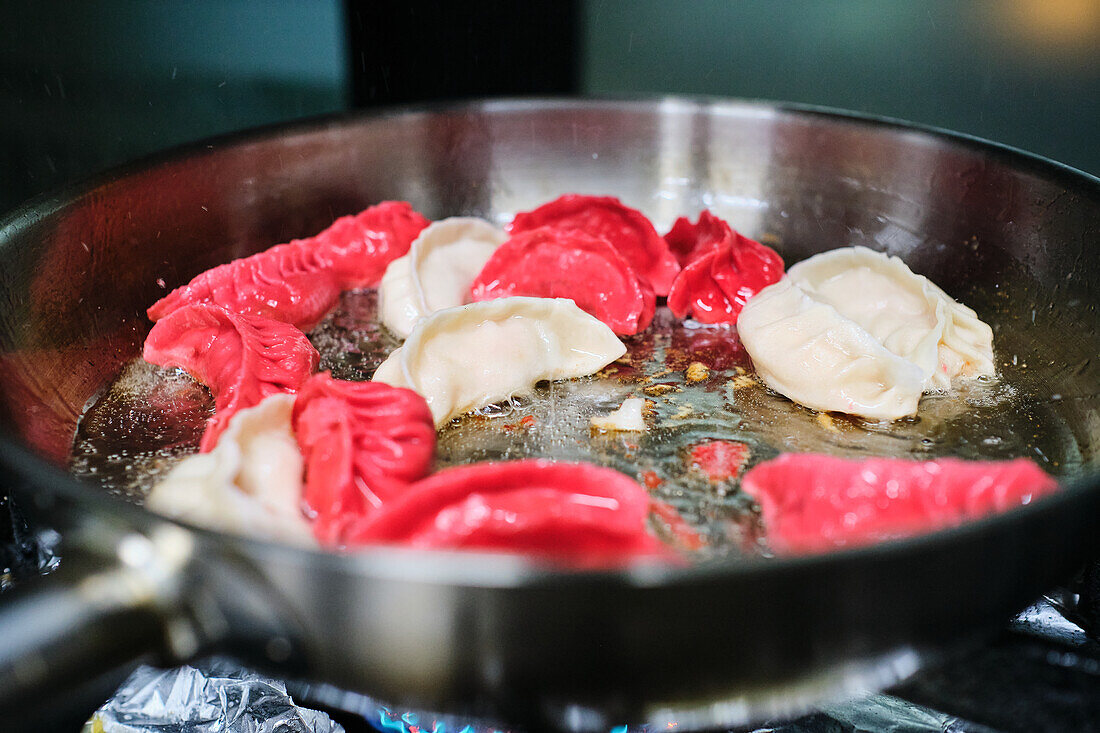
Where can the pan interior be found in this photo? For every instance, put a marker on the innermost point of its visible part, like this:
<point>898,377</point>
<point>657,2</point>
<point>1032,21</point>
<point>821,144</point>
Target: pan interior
<point>149,417</point>
<point>1008,235</point>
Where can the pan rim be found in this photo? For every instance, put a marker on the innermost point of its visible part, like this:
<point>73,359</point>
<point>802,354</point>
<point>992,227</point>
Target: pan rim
<point>74,191</point>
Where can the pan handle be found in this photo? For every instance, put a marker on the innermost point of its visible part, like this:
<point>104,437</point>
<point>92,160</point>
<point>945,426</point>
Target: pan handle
<point>73,634</point>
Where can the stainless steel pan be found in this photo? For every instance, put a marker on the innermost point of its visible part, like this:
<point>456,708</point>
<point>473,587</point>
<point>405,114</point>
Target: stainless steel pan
<point>723,641</point>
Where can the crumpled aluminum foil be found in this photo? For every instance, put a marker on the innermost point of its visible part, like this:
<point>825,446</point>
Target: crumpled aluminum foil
<point>220,698</point>
<point>224,698</point>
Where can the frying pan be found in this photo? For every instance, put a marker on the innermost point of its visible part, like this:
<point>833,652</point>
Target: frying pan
<point>719,642</point>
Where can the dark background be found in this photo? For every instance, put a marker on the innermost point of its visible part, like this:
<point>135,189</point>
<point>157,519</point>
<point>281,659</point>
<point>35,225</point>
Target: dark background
<point>86,85</point>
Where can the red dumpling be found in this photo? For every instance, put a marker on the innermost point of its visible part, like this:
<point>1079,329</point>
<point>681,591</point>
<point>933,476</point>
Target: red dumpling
<point>628,230</point>
<point>715,285</point>
<point>578,513</point>
<point>359,248</point>
<point>813,502</point>
<point>287,283</point>
<point>688,241</point>
<point>363,443</point>
<point>299,282</point>
<point>567,263</point>
<point>241,358</point>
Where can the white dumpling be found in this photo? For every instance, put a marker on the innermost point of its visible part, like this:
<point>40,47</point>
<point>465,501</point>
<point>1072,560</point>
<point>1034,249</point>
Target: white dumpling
<point>904,311</point>
<point>810,353</point>
<point>463,358</point>
<point>856,331</point>
<point>250,484</point>
<point>437,272</point>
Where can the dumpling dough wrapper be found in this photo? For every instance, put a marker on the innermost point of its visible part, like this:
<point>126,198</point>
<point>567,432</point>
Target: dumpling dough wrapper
<point>460,359</point>
<point>437,272</point>
<point>856,331</point>
<point>249,484</point>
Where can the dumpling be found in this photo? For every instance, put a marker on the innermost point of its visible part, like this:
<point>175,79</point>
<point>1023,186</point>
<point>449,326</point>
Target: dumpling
<point>437,272</point>
<point>460,359</point>
<point>249,484</point>
<point>810,353</point>
<point>856,331</point>
<point>906,312</point>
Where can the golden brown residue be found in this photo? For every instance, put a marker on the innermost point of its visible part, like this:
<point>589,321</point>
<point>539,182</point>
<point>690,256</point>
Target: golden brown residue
<point>696,372</point>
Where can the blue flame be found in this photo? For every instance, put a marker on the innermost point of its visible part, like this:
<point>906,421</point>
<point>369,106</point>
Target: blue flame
<point>409,722</point>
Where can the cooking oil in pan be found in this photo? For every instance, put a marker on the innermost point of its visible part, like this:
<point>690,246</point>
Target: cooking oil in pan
<point>699,387</point>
